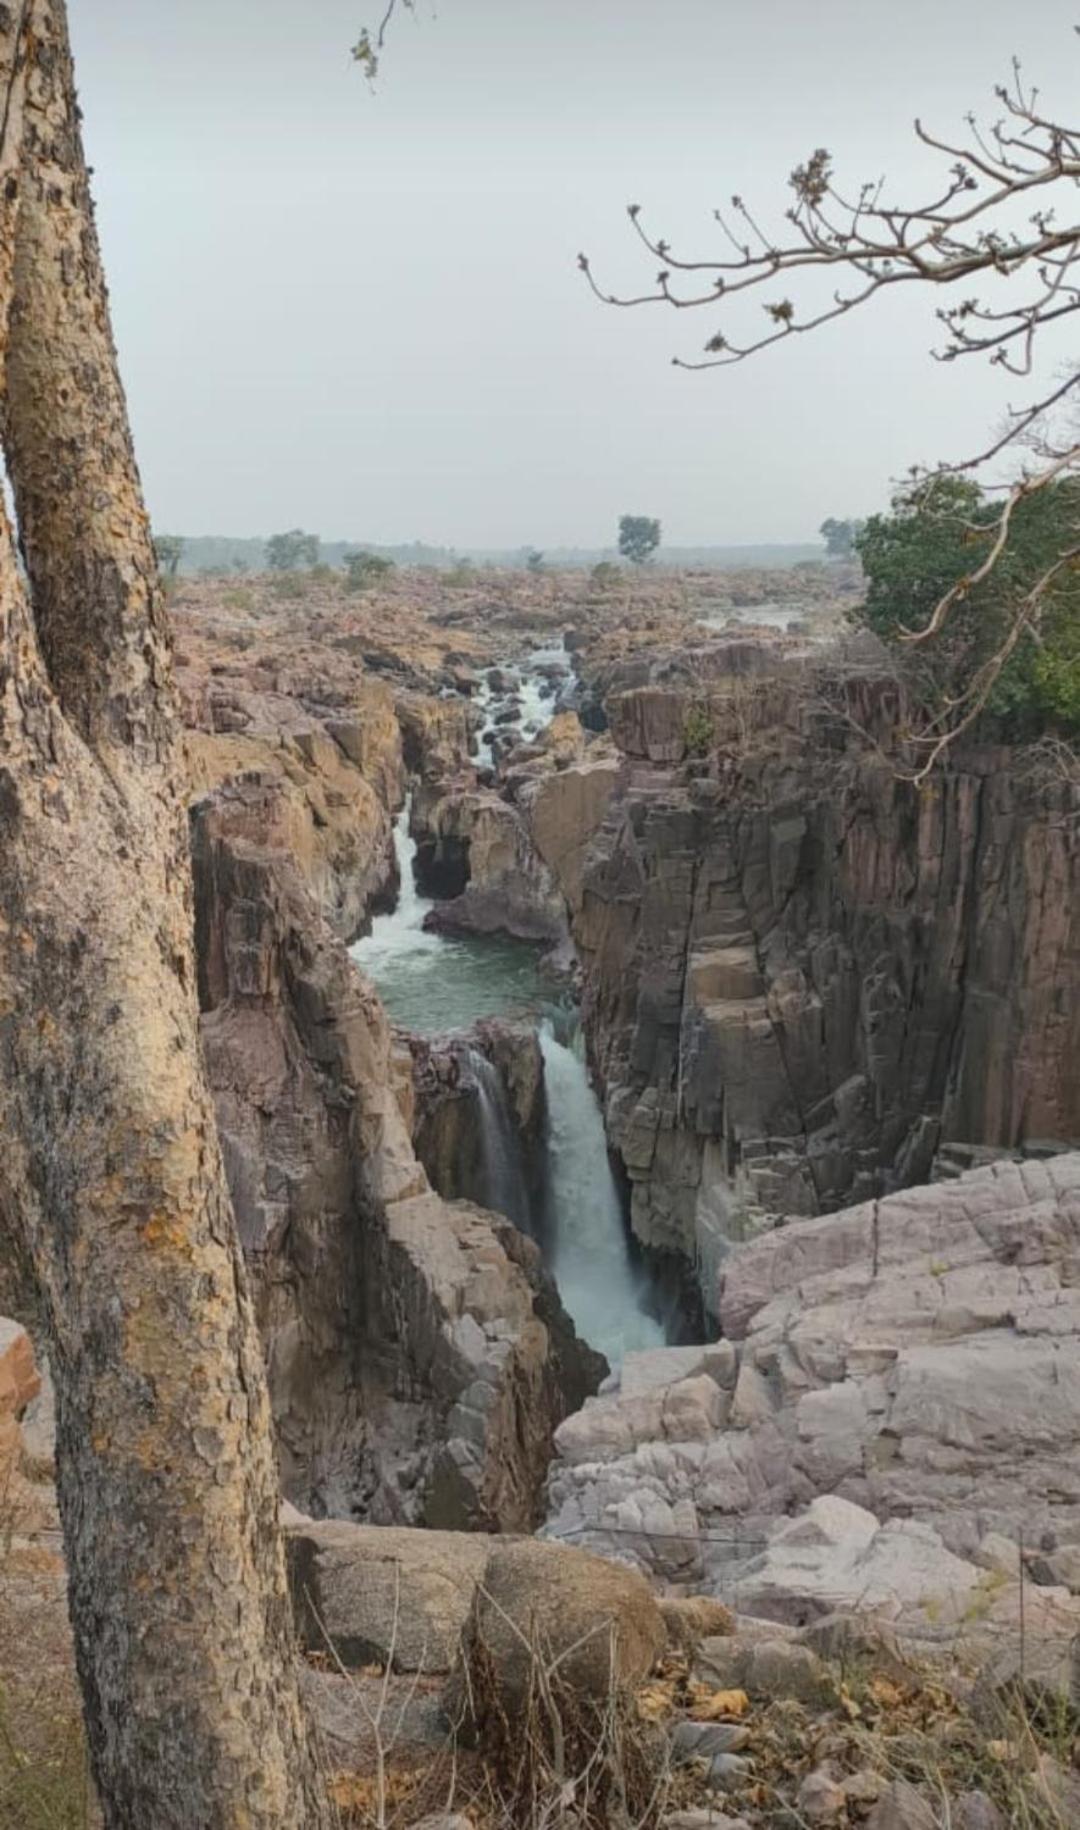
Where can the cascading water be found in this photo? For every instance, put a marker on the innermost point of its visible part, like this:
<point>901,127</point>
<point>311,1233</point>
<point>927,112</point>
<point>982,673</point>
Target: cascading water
<point>505,1187</point>
<point>590,1255</point>
<point>432,983</point>
<point>535,694</point>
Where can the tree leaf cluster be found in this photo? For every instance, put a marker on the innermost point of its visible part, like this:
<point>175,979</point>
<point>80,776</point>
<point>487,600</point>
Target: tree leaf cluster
<point>935,537</point>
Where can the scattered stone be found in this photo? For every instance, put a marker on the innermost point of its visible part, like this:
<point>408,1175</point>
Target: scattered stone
<point>704,1740</point>
<point>690,1619</point>
<point>771,1670</point>
<point>1047,1676</point>
<point>728,1770</point>
<point>444,1820</point>
<point>850,1639</point>
<point>901,1807</point>
<point>702,1820</point>
<point>1059,1569</point>
<point>974,1811</point>
<point>820,1798</point>
<point>864,1787</point>
<point>997,1552</point>
<point>836,1556</point>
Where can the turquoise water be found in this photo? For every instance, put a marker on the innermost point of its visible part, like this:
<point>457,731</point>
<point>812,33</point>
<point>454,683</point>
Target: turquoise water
<point>434,982</point>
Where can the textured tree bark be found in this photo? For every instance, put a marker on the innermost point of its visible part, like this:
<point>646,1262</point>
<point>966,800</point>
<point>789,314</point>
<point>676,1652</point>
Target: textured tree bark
<point>110,1169</point>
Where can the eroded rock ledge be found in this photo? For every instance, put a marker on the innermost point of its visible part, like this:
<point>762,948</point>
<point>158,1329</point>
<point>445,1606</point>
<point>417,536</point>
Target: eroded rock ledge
<point>917,1358</point>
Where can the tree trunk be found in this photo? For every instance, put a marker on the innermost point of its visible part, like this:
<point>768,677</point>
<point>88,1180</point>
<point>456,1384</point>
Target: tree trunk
<point>110,1169</point>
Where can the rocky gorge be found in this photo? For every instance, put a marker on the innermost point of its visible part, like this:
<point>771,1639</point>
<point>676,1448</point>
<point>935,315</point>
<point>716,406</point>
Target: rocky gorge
<point>804,981</point>
<point>550,945</point>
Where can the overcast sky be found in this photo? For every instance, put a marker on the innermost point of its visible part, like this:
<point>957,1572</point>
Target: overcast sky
<point>360,312</point>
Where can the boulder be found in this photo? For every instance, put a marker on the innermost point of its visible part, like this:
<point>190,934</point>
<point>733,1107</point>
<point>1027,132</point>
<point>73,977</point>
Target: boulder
<point>544,1603</point>
<point>375,1595</point>
<point>702,1819</point>
<point>836,1556</point>
<point>704,1740</point>
<point>476,855</point>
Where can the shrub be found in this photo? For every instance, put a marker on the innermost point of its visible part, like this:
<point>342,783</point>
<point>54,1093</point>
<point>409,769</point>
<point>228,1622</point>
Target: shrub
<point>698,732</point>
<point>364,569</point>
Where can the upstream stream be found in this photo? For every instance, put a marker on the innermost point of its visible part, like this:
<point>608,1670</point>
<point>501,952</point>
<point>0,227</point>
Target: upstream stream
<point>433,983</point>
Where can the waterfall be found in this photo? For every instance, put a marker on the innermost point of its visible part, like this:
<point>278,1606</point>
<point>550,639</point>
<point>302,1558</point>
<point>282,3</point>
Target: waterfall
<point>590,1252</point>
<point>505,1187</point>
<point>401,933</point>
<point>434,983</point>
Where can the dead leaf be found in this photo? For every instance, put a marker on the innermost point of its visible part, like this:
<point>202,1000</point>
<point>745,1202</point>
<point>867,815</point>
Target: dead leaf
<point>719,1703</point>
<point>655,1701</point>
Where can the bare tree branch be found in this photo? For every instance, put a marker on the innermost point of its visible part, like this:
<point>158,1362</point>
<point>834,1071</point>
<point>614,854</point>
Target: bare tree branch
<point>1006,216</point>
<point>369,46</point>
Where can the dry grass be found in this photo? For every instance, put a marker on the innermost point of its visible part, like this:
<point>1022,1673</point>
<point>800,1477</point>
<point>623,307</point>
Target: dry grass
<point>44,1777</point>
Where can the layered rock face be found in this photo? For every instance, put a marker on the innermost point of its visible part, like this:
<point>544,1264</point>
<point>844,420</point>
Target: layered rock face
<point>802,973</point>
<point>337,762</point>
<point>917,1357</point>
<point>419,1358</point>
<point>476,855</point>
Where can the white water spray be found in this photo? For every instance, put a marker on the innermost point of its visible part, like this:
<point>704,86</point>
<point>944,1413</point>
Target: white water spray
<point>590,1255</point>
<point>505,1187</point>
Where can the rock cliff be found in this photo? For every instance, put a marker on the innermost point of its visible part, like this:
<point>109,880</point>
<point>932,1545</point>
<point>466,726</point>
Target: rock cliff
<point>336,756</point>
<point>802,973</point>
<point>419,1358</point>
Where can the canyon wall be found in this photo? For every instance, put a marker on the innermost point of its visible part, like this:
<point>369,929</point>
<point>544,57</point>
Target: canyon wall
<point>419,1358</point>
<point>803,974</point>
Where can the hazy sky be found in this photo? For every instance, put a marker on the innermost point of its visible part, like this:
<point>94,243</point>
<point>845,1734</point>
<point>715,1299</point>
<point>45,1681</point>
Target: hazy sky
<point>360,313</point>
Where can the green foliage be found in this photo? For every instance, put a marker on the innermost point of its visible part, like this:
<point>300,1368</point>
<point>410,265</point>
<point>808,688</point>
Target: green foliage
<point>364,569</point>
<point>605,575</point>
<point>639,537</point>
<point>840,537</point>
<point>534,560</point>
<point>288,552</point>
<point>289,588</point>
<point>168,551</point>
<point>936,537</point>
<point>239,599</point>
<point>460,576</point>
<point>698,731</point>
